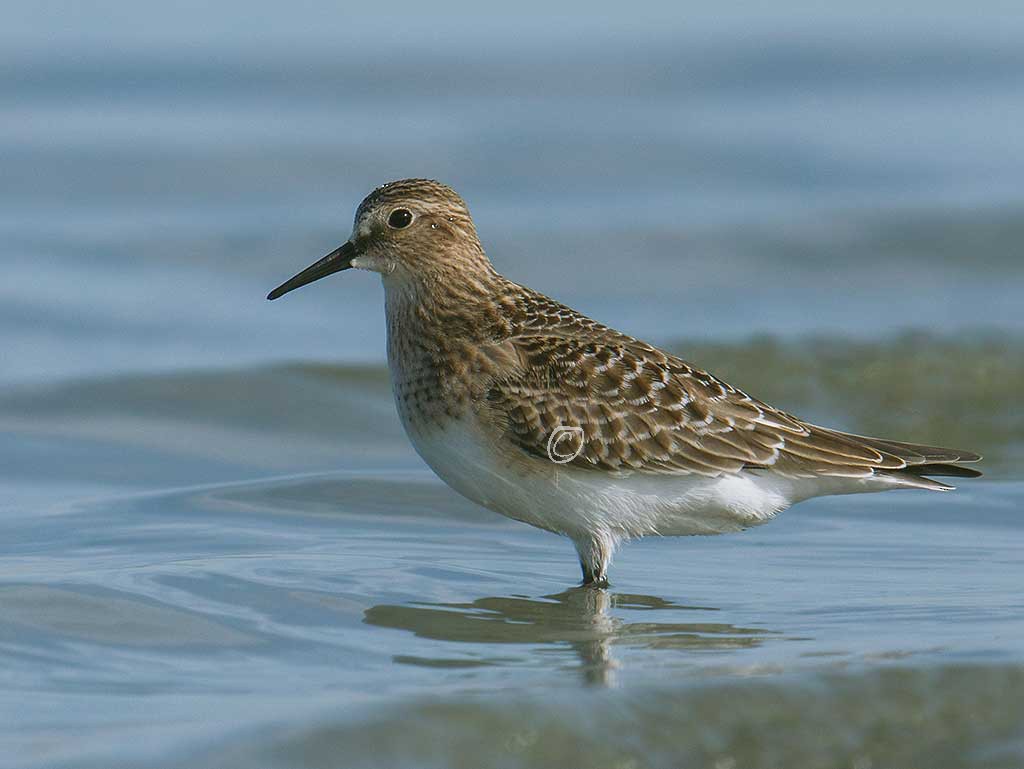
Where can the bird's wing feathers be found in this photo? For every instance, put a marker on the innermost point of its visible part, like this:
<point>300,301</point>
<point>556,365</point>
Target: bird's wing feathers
<point>624,405</point>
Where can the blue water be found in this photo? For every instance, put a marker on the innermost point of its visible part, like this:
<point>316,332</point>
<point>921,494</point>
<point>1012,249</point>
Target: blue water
<point>216,546</point>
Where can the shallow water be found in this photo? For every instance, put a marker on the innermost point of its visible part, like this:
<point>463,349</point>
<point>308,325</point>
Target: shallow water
<point>320,618</point>
<point>218,549</point>
<point>285,621</point>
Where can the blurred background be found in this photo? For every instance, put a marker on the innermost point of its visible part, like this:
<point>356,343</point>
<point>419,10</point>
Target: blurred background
<point>822,203</point>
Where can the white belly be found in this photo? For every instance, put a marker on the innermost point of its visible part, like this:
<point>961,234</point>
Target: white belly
<point>577,502</point>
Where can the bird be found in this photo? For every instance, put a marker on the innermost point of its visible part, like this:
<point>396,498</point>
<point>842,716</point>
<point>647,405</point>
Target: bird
<point>537,412</point>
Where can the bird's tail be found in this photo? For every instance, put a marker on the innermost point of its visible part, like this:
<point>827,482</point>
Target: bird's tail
<point>923,461</point>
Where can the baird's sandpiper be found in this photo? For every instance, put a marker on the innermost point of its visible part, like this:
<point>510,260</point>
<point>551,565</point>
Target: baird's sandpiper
<point>539,413</point>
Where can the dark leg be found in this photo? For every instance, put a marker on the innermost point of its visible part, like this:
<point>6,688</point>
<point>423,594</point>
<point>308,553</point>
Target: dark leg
<point>594,557</point>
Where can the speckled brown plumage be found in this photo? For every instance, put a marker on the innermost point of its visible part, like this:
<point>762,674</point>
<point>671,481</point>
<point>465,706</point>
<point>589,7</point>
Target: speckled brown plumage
<point>641,409</point>
<point>529,365</point>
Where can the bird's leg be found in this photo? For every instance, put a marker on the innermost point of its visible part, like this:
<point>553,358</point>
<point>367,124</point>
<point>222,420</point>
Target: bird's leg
<point>595,554</point>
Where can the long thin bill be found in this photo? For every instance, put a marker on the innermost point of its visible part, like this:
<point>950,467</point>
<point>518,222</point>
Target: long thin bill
<point>339,259</point>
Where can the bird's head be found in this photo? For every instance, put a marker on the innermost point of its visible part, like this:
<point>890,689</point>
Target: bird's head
<point>408,230</point>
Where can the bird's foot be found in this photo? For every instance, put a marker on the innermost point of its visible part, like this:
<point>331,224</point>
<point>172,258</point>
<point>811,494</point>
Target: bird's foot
<point>595,554</point>
<point>595,582</point>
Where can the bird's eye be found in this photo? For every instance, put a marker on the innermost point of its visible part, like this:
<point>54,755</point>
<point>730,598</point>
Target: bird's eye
<point>400,218</point>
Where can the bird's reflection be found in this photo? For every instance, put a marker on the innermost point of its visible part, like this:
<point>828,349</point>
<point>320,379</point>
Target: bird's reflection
<point>580,619</point>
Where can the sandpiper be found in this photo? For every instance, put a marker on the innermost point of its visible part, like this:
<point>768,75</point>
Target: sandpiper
<point>539,413</point>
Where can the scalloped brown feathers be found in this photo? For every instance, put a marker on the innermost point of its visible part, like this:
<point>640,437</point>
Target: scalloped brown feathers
<point>635,408</point>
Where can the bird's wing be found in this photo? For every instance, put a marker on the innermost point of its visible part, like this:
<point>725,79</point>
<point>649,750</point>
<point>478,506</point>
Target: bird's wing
<point>626,406</point>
